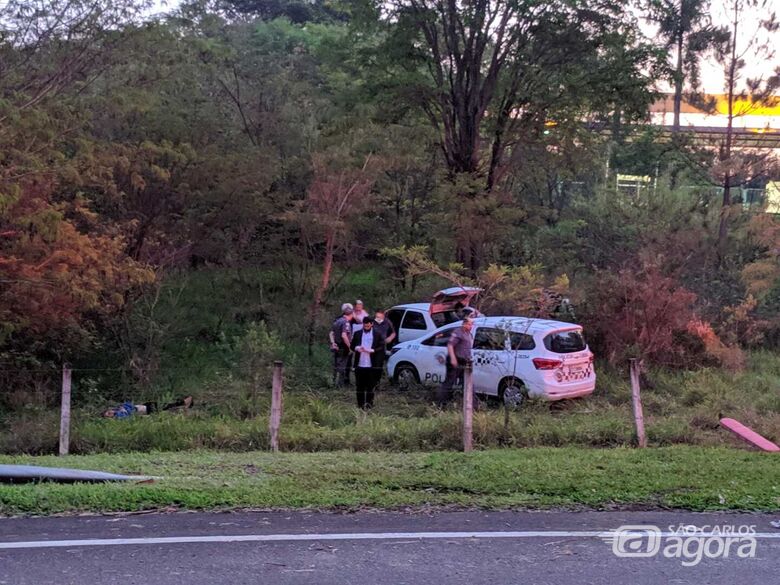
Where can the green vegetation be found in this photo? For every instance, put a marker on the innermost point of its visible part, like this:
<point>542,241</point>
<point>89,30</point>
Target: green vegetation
<point>677,477</point>
<point>680,408</point>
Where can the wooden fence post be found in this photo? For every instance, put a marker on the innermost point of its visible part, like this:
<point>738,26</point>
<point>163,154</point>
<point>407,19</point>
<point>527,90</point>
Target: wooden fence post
<point>276,406</point>
<point>468,407</point>
<point>639,418</point>
<point>65,411</point>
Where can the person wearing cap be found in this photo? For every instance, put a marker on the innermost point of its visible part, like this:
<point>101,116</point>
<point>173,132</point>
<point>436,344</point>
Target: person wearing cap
<point>369,348</point>
<point>340,337</point>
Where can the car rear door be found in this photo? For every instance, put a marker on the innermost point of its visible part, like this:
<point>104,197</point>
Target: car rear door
<point>490,355</point>
<point>413,325</point>
<point>569,346</point>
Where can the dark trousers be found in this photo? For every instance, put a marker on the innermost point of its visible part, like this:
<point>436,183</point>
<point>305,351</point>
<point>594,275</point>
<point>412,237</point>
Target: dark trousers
<point>453,376</point>
<point>341,367</point>
<point>152,407</point>
<point>366,380</point>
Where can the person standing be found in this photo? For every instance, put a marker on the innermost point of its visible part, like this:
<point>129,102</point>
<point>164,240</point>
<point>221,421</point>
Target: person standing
<point>369,348</point>
<point>458,354</point>
<point>384,327</point>
<point>358,315</point>
<point>340,341</point>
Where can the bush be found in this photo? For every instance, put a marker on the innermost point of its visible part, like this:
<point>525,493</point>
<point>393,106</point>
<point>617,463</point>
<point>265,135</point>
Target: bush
<point>644,313</point>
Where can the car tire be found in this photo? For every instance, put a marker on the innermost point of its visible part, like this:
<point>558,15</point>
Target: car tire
<point>512,393</point>
<point>406,377</point>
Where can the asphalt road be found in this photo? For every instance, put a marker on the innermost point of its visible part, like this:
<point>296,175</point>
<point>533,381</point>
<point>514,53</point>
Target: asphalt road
<point>529,548</point>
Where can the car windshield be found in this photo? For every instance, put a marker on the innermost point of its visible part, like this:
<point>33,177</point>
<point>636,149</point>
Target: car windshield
<point>453,316</point>
<point>445,318</point>
<point>566,341</point>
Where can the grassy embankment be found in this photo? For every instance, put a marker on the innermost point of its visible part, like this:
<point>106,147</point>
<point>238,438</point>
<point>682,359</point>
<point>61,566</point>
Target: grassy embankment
<point>675,477</point>
<point>681,408</point>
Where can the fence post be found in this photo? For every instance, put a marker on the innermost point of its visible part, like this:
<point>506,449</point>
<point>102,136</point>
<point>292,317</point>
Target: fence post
<point>65,411</point>
<point>639,418</point>
<point>468,407</point>
<point>276,406</point>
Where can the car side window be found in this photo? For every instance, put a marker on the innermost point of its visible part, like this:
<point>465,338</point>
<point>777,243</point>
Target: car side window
<point>521,341</point>
<point>439,339</point>
<point>489,338</point>
<point>414,320</point>
<point>394,316</point>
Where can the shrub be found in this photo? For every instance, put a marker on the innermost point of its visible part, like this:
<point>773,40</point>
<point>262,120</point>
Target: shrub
<point>645,313</point>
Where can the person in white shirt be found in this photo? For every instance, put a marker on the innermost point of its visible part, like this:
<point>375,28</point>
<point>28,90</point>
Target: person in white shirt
<point>358,315</point>
<point>369,348</point>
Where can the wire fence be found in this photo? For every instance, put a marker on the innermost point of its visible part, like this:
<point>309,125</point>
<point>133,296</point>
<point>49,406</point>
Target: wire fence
<point>235,406</point>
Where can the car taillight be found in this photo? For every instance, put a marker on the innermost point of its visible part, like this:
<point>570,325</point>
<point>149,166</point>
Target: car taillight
<point>545,364</point>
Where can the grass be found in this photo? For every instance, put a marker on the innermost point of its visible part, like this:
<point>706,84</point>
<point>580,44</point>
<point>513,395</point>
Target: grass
<point>680,408</point>
<point>693,478</point>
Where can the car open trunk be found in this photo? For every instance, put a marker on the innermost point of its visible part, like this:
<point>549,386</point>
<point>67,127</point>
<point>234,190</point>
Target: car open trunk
<point>453,300</point>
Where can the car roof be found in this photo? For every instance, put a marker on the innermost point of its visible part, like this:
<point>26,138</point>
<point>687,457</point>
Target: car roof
<point>530,324</point>
<point>425,307</point>
<point>524,324</point>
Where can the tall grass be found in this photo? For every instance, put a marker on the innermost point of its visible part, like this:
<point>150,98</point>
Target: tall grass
<point>680,407</point>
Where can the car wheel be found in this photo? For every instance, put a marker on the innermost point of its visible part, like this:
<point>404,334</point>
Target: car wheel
<point>406,377</point>
<point>513,393</point>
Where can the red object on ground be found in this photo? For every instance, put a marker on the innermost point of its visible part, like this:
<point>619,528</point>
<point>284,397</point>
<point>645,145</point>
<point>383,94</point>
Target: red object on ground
<point>749,435</point>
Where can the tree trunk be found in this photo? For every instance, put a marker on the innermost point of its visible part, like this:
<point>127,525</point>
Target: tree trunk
<point>327,268</point>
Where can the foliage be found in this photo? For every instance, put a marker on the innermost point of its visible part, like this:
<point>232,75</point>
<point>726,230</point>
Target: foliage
<point>167,182</point>
<point>506,290</point>
<point>686,478</point>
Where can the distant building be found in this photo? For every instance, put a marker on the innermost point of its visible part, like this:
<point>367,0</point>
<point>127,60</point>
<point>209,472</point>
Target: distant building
<point>755,126</point>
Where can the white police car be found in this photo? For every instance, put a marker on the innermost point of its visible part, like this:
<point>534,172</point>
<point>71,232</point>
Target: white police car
<point>515,358</point>
<point>414,320</point>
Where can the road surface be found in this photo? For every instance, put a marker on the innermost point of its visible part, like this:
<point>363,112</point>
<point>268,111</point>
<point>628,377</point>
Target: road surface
<point>456,548</point>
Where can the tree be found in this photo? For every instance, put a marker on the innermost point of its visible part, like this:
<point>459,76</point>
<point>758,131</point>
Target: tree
<point>687,31</point>
<point>494,71</point>
<point>336,197</point>
<point>297,11</point>
<point>743,96</point>
<point>62,271</point>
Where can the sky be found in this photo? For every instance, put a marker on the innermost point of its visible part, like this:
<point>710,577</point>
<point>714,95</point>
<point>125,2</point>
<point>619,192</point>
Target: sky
<point>712,73</point>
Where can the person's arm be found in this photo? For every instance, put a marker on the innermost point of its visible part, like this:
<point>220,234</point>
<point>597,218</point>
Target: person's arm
<point>332,338</point>
<point>391,335</point>
<point>353,345</point>
<point>451,351</point>
<point>345,335</point>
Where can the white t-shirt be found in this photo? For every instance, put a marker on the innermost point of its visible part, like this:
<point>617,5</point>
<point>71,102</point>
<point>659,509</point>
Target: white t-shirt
<point>365,356</point>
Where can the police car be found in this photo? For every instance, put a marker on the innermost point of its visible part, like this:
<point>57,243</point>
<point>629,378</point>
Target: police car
<point>515,358</point>
<point>414,320</point>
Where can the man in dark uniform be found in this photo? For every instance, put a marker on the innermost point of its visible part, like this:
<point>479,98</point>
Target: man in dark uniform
<point>340,341</point>
<point>458,354</point>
